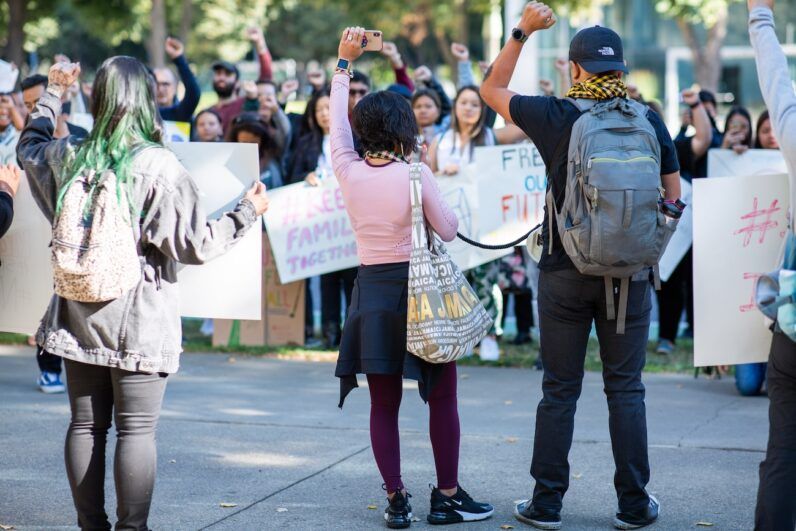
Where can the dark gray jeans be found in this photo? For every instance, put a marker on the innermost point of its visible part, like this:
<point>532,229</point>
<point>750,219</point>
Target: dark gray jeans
<point>568,304</point>
<point>133,399</point>
<point>776,496</point>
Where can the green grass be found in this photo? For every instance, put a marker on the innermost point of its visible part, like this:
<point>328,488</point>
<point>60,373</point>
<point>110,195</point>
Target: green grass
<point>512,356</point>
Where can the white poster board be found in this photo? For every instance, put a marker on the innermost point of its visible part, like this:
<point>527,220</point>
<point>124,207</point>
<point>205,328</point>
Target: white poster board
<point>740,226</point>
<point>682,238</point>
<point>310,231</point>
<point>228,287</point>
<point>727,163</point>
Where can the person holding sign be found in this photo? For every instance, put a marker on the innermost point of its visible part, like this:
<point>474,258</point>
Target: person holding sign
<point>776,503</point>
<point>571,301</point>
<point>115,318</point>
<point>376,195</point>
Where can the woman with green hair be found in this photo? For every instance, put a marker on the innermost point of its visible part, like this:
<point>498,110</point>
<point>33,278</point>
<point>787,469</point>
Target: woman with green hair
<point>119,353</point>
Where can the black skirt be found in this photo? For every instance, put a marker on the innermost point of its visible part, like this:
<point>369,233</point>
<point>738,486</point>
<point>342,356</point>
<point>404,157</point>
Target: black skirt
<point>374,335</point>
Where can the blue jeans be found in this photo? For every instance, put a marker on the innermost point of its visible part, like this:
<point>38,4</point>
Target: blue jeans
<point>749,378</point>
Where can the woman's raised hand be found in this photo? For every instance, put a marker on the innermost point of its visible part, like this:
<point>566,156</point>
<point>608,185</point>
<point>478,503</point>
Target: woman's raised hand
<point>350,47</point>
<point>62,76</point>
<point>258,197</point>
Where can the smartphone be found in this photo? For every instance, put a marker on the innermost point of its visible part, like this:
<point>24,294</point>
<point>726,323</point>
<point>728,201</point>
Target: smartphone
<point>373,41</point>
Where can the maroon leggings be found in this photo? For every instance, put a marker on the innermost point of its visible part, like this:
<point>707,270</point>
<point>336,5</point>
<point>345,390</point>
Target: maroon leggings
<point>385,400</point>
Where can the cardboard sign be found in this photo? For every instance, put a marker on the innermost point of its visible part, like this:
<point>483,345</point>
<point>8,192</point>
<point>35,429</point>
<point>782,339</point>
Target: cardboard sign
<point>740,227</point>
<point>727,163</point>
<point>228,287</point>
<point>177,131</point>
<point>283,313</point>
<point>310,230</point>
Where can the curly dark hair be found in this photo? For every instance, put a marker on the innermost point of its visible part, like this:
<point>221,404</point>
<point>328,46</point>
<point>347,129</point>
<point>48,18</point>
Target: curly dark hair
<point>384,121</point>
<point>251,123</point>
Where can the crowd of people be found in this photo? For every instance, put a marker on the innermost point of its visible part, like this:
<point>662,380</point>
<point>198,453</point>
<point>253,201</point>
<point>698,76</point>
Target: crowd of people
<point>349,129</point>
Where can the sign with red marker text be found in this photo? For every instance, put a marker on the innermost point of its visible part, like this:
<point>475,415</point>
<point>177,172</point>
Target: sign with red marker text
<point>740,226</point>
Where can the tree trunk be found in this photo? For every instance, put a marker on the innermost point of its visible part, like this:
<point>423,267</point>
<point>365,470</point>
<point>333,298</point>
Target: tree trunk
<point>157,34</point>
<point>707,58</point>
<point>17,14</point>
<point>186,21</point>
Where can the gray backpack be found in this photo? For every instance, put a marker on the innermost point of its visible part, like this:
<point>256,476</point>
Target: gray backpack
<point>610,222</point>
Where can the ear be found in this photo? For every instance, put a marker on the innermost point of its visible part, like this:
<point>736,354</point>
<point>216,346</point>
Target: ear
<point>574,70</point>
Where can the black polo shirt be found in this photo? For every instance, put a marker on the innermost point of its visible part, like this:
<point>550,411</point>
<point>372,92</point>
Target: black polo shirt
<point>548,122</point>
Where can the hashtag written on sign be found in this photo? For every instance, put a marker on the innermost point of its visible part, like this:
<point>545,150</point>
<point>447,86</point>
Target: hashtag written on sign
<point>759,222</point>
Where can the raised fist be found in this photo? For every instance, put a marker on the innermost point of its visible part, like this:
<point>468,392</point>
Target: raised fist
<point>174,48</point>
<point>460,52</point>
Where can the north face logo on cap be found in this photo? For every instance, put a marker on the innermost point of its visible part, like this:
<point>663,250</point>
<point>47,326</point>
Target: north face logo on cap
<point>606,50</point>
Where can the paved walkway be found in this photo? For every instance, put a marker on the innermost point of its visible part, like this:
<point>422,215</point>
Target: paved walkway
<point>266,435</point>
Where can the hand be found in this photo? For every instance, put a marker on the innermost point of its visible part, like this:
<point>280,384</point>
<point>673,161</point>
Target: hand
<point>312,179</point>
<point>760,3</point>
<point>174,48</point>
<point>289,87</point>
<point>350,47</point>
<point>390,51</point>
<point>9,179</point>
<point>633,92</point>
<point>562,66</point>
<point>547,87</point>
<point>249,89</point>
<point>732,139</point>
<point>536,16</point>
<point>259,198</point>
<point>460,52</point>
<point>690,96</point>
<point>423,74</point>
<point>62,76</point>
<point>450,169</point>
<point>740,149</point>
<point>257,37</point>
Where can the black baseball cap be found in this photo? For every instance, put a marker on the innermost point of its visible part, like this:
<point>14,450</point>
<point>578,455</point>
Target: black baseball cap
<point>226,65</point>
<point>597,50</point>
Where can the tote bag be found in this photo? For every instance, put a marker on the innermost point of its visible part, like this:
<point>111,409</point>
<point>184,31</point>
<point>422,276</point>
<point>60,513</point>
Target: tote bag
<point>445,318</point>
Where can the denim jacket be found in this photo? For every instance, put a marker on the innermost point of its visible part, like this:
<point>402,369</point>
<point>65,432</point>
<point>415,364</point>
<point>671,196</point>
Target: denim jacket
<point>141,331</point>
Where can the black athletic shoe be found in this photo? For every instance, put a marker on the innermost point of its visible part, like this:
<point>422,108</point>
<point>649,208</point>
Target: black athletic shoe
<point>522,338</point>
<point>457,508</point>
<point>639,519</point>
<point>398,514</point>
<point>526,513</point>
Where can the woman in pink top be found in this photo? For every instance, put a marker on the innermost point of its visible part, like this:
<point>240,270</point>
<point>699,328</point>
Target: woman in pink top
<point>376,194</point>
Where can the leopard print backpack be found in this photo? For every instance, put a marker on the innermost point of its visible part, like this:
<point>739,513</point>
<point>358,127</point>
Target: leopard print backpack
<point>94,250</point>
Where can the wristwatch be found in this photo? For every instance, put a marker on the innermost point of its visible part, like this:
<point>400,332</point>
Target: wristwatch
<point>695,105</point>
<point>344,67</point>
<point>518,35</point>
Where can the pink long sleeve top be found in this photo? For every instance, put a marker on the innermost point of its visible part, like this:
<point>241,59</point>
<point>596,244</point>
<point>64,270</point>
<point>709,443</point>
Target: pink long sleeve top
<point>377,197</point>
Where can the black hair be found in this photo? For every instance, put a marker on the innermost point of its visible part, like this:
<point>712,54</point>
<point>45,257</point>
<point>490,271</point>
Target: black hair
<point>309,124</point>
<point>384,121</point>
<point>706,96</point>
<point>251,123</point>
<point>760,121</point>
<point>359,77</point>
<point>747,141</point>
<point>33,81</point>
<point>479,134</point>
<point>210,111</point>
<point>427,93</point>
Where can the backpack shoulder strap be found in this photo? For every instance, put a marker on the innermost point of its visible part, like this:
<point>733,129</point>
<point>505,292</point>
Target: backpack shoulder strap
<point>582,104</point>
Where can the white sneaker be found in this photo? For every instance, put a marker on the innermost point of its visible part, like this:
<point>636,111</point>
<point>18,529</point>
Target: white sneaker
<point>489,350</point>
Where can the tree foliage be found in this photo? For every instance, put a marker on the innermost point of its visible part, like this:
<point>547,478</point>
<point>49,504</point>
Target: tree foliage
<point>701,12</point>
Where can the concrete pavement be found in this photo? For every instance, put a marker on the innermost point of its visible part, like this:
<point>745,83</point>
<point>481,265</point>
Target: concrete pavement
<point>266,436</point>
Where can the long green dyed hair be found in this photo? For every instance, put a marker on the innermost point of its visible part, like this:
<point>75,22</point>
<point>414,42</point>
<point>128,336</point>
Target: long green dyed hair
<point>126,120</point>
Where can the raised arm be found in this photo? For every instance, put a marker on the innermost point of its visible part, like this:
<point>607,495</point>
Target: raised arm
<point>494,90</point>
<point>257,37</point>
<point>700,142</point>
<point>390,51</point>
<point>774,76</point>
<point>340,137</point>
<point>185,109</point>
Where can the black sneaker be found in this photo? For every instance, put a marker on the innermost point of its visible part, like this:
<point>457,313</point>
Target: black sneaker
<point>639,519</point>
<point>398,514</point>
<point>522,338</point>
<point>526,513</point>
<point>457,508</point>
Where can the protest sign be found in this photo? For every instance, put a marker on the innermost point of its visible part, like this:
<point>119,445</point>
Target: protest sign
<point>8,77</point>
<point>283,313</point>
<point>740,225</point>
<point>176,131</point>
<point>727,163</point>
<point>228,286</point>
<point>683,237</point>
<point>310,231</point>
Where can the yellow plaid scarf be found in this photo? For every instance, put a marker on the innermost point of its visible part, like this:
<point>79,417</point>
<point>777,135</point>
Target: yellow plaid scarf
<point>603,87</point>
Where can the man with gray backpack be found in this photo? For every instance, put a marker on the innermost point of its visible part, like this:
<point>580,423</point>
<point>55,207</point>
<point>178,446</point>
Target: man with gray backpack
<point>612,206</point>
